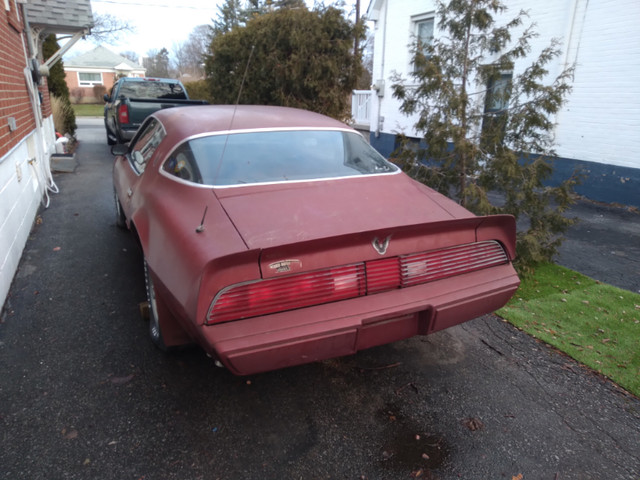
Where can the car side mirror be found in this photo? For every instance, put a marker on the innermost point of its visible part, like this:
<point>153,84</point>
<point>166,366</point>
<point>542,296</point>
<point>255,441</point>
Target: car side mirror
<point>119,149</point>
<point>106,97</point>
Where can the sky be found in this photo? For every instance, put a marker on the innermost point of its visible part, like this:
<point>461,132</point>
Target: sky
<point>158,23</point>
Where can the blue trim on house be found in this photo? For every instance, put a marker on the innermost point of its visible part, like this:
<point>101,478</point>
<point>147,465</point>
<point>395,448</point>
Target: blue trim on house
<point>600,182</point>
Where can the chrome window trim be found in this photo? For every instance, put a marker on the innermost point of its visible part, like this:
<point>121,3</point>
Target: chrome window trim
<point>279,182</point>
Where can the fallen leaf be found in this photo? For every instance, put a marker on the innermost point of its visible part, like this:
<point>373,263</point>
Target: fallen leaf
<point>57,249</point>
<point>517,477</point>
<point>473,424</point>
<point>121,380</point>
<point>71,435</point>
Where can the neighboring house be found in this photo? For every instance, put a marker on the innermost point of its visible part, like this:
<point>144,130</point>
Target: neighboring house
<point>27,134</point>
<point>92,74</point>
<point>598,130</point>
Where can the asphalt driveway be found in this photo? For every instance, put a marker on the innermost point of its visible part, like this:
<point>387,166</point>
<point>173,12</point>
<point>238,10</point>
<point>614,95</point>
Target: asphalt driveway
<point>85,395</point>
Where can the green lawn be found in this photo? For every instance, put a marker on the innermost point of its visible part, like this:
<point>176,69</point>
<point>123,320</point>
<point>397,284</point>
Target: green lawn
<point>88,110</point>
<point>597,324</point>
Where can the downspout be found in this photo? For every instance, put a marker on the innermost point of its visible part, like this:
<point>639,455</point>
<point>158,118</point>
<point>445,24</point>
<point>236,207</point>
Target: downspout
<point>570,41</point>
<point>569,34</point>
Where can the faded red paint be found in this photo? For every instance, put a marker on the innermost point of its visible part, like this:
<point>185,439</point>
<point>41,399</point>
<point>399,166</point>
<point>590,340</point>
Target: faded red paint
<point>308,226</point>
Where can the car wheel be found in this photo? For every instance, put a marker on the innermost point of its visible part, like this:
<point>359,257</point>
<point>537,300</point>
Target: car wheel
<point>121,220</point>
<point>110,141</point>
<point>154,320</point>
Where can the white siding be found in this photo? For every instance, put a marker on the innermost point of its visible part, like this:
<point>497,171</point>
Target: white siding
<point>601,121</point>
<point>393,37</point>
<point>21,188</point>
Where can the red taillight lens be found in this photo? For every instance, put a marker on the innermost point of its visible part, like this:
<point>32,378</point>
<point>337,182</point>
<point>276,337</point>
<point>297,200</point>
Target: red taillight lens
<point>123,113</point>
<point>350,281</point>
<point>288,293</point>
<point>383,275</point>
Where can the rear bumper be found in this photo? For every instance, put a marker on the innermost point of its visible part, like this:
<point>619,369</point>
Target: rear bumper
<point>127,133</point>
<point>342,328</point>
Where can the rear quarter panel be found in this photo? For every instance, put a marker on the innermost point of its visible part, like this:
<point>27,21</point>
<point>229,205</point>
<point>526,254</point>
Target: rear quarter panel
<point>166,215</point>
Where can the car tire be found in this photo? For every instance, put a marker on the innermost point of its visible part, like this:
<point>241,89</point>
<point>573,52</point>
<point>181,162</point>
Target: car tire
<point>155,309</point>
<point>110,141</point>
<point>121,220</point>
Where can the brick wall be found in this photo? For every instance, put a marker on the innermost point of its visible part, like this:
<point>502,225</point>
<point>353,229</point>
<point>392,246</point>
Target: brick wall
<point>14,97</point>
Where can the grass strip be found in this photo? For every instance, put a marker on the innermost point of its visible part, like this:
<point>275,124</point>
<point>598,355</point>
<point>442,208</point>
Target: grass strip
<point>88,110</point>
<point>595,323</point>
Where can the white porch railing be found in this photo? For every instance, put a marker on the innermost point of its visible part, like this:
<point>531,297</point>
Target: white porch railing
<point>361,107</point>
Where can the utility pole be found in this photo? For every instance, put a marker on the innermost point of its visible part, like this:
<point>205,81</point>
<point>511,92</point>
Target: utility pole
<point>356,43</point>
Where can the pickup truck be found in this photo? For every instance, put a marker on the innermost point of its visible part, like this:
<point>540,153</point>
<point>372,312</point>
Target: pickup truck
<point>131,100</point>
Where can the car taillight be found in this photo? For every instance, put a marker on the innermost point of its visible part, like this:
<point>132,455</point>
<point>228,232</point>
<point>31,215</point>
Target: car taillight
<point>287,293</point>
<point>123,113</point>
<point>264,297</point>
<point>430,266</point>
<point>383,275</point>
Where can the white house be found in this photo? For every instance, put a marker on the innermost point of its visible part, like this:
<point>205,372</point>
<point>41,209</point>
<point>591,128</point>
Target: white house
<point>598,130</point>
<point>27,134</point>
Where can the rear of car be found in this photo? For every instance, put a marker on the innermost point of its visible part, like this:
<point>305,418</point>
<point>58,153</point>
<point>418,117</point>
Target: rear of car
<point>343,251</point>
<point>348,297</point>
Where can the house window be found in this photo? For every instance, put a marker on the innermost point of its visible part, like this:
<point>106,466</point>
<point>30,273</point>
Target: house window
<point>423,32</point>
<point>495,116</point>
<point>87,79</point>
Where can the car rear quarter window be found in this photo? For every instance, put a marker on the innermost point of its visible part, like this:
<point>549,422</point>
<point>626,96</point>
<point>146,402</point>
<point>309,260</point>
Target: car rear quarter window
<point>145,143</point>
<point>275,156</point>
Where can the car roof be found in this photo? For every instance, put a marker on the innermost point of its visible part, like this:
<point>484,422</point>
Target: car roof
<point>183,122</point>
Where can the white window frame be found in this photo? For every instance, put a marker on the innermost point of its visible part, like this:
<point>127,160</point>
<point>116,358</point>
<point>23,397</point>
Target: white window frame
<point>90,83</point>
<point>416,20</point>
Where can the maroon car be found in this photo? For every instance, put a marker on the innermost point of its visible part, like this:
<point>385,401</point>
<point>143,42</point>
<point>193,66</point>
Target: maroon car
<point>274,237</point>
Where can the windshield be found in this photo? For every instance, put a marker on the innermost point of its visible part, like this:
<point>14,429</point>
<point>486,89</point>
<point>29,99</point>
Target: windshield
<point>280,156</point>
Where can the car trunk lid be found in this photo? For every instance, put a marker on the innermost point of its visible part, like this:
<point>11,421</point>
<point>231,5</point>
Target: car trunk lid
<point>306,226</point>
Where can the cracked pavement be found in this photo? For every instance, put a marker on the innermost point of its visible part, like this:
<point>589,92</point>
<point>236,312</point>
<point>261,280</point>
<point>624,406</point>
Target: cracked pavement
<point>84,394</point>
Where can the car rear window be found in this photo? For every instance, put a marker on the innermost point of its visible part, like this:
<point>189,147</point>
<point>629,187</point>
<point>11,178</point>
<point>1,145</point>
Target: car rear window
<point>275,156</point>
<point>153,89</point>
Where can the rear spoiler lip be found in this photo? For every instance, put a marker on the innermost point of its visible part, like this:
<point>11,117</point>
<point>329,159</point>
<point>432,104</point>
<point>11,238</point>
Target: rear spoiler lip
<point>501,228</point>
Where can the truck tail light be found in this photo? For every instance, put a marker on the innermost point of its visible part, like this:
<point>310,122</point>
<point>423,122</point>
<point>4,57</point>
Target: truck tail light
<point>264,297</point>
<point>123,113</point>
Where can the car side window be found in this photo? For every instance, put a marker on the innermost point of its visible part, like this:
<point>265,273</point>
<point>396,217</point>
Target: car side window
<point>182,164</point>
<point>145,144</point>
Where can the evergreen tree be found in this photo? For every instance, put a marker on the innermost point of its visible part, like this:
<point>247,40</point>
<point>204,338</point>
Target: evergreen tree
<point>230,15</point>
<point>293,57</point>
<point>57,84</point>
<point>486,126</point>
